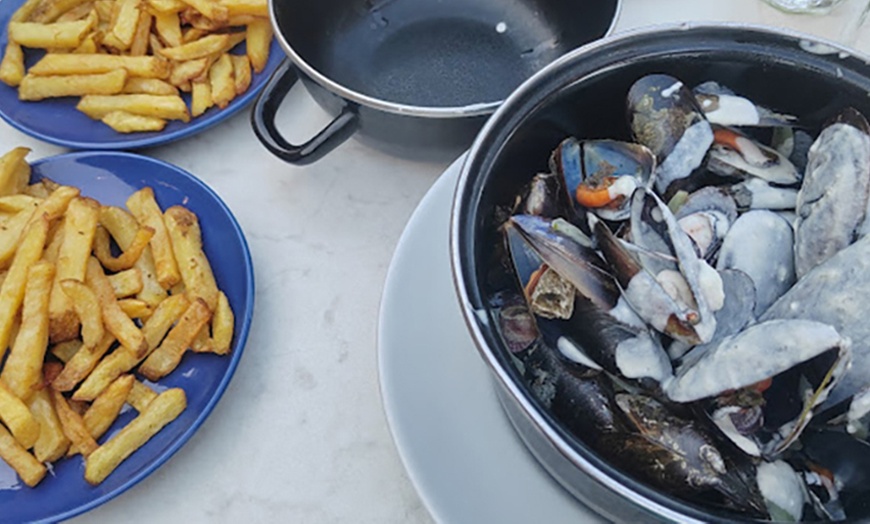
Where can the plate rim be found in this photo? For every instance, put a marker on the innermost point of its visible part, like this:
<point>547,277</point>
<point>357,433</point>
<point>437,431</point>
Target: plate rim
<point>236,351</point>
<point>193,127</point>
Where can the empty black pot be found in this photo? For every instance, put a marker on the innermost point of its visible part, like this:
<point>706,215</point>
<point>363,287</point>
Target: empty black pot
<point>415,77</point>
<point>583,95</point>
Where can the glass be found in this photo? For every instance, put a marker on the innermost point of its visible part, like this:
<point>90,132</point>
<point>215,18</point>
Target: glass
<point>804,6</point>
<point>838,20</point>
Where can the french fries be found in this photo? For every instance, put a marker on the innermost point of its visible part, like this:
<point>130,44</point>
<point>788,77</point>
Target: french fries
<point>119,310</point>
<point>100,48</point>
<point>147,212</point>
<point>28,468</point>
<point>24,365</point>
<point>41,87</point>
<point>158,413</point>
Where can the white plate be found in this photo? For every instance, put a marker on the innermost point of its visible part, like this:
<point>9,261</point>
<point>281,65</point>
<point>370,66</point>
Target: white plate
<point>458,447</point>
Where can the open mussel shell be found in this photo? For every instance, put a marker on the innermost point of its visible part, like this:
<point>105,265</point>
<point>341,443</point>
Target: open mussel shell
<point>725,107</point>
<point>667,253</point>
<point>706,216</point>
<point>752,379</point>
<point>599,176</point>
<point>734,154</point>
<point>560,247</point>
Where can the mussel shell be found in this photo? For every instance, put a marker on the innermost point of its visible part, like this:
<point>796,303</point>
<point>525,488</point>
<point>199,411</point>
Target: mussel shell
<point>760,244</point>
<point>591,161</point>
<point>832,202</point>
<point>835,293</point>
<point>725,107</point>
<point>665,117</point>
<point>753,159</point>
<point>534,238</point>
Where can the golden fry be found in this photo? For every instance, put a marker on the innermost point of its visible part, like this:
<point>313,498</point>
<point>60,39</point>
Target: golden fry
<point>119,362</point>
<point>18,418</point>
<point>135,308</point>
<point>87,47</point>
<point>80,224</point>
<point>12,291</point>
<point>126,22</point>
<point>188,70</point>
<point>247,7</point>
<point>205,46</point>
<point>123,228</point>
<point>210,8</point>
<point>14,171</point>
<point>65,351</point>
<point>140,396</point>
<point>166,6</point>
<point>41,87</point>
<point>186,238</point>
<point>73,425</point>
<point>82,363</point>
<point>160,412</point>
<point>47,12</point>
<point>200,99</point>
<point>58,35</point>
<point>259,40</point>
<point>147,212</point>
<point>124,122</point>
<point>23,367</point>
<point>168,355</point>
<point>220,76</point>
<point>149,86</point>
<point>222,325</point>
<point>77,12</point>
<point>167,107</point>
<point>139,46</point>
<point>87,308</point>
<point>126,283</point>
<point>17,203</point>
<point>10,235</point>
<point>241,72</point>
<point>168,28</point>
<point>28,468</point>
<point>106,407</point>
<point>12,66</point>
<point>129,257</point>
<point>52,443</point>
<point>83,64</point>
<point>115,321</point>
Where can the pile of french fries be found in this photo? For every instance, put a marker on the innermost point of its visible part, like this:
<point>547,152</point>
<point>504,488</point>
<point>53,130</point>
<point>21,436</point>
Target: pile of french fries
<point>90,297</point>
<point>129,60</point>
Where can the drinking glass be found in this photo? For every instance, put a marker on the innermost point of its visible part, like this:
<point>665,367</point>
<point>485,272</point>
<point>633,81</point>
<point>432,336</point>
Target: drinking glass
<point>842,21</point>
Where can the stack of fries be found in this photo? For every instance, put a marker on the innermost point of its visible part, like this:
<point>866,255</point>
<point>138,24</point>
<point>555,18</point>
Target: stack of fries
<point>79,321</point>
<point>130,59</point>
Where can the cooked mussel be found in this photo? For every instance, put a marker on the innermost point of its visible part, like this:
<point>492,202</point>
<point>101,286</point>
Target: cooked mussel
<point>763,385</point>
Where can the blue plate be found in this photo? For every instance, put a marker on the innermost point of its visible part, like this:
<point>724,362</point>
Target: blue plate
<point>110,178</point>
<point>56,120</point>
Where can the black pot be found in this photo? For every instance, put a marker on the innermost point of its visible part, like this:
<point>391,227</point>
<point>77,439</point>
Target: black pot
<point>416,78</point>
<point>583,95</point>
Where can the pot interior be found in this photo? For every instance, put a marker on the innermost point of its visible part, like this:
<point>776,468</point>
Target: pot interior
<point>584,97</point>
<point>437,53</point>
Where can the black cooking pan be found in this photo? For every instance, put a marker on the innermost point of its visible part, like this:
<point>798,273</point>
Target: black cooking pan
<point>415,77</point>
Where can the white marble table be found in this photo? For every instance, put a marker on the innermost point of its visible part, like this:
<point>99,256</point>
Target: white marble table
<point>300,435</point>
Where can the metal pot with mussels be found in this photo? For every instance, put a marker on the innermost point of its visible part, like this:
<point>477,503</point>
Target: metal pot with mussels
<point>674,298</point>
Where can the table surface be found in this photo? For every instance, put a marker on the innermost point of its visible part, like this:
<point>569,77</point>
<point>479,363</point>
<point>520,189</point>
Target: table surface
<point>300,434</point>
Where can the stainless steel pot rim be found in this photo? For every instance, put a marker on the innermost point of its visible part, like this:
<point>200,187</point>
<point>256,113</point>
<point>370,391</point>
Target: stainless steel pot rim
<point>346,93</point>
<point>475,318</point>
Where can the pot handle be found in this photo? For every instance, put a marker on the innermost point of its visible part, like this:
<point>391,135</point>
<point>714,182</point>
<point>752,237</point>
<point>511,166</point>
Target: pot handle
<point>263,122</point>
